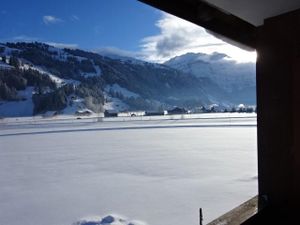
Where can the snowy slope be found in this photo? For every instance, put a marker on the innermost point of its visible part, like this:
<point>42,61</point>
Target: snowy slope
<point>227,73</point>
<point>18,108</point>
<point>141,85</point>
<point>97,73</point>
<point>59,81</point>
<point>115,104</point>
<point>118,89</point>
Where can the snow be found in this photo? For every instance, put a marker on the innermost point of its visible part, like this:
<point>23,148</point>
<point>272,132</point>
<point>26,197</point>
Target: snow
<point>55,49</point>
<point>56,79</point>
<point>241,106</point>
<point>98,70</point>
<point>117,88</point>
<point>74,104</point>
<point>115,104</point>
<point>59,81</point>
<point>109,220</point>
<point>206,119</point>
<point>120,55</point>
<point>62,55</point>
<point>97,73</point>
<point>18,108</point>
<point>158,171</point>
<point>71,109</point>
<point>224,71</point>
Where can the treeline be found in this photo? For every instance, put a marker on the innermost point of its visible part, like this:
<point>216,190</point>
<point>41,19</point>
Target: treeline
<point>47,96</point>
<point>14,80</point>
<point>136,103</point>
<point>152,81</point>
<point>156,85</point>
<point>60,98</point>
<point>56,62</point>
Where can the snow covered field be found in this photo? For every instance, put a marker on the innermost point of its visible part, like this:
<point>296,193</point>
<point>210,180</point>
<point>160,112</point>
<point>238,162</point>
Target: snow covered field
<point>158,171</point>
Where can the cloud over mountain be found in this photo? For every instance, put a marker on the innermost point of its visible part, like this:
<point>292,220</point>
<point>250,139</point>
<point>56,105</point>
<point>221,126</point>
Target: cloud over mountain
<point>178,37</point>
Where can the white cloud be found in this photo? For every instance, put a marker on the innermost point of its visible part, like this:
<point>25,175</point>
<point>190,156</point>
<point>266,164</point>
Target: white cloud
<point>51,20</point>
<point>62,45</point>
<point>25,38</point>
<point>74,18</point>
<point>178,37</point>
<point>113,51</point>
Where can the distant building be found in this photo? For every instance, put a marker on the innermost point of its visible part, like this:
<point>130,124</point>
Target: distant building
<point>83,113</point>
<point>155,113</point>
<point>110,113</point>
<point>177,110</point>
<point>131,113</point>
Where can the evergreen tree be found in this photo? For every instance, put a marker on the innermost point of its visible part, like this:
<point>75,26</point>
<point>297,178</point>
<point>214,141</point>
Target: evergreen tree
<point>4,59</point>
<point>7,93</point>
<point>13,61</point>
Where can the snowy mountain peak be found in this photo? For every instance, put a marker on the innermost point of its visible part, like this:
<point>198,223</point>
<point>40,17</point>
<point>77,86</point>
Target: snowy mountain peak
<point>238,79</point>
<point>218,56</point>
<point>192,57</point>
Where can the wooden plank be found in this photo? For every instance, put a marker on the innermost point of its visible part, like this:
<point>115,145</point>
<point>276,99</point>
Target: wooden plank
<point>240,214</point>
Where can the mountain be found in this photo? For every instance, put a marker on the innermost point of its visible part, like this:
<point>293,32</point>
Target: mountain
<point>236,79</point>
<point>36,78</point>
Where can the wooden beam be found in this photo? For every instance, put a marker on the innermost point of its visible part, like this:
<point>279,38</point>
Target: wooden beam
<point>211,18</point>
<point>242,213</point>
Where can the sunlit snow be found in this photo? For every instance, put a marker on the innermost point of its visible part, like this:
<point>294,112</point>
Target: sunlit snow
<point>158,171</point>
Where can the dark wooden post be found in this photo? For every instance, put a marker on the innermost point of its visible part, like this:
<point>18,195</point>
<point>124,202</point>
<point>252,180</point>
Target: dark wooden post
<point>200,216</point>
<point>278,91</point>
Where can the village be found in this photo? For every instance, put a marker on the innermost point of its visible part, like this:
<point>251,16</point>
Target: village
<point>175,111</point>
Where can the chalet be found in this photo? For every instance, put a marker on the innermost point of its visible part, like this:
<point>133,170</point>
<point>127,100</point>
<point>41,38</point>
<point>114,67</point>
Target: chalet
<point>83,113</point>
<point>110,113</point>
<point>177,110</point>
<point>131,113</point>
<point>154,113</point>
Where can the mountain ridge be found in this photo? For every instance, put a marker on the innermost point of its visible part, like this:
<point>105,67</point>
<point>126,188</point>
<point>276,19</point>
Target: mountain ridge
<point>236,79</point>
<point>72,80</point>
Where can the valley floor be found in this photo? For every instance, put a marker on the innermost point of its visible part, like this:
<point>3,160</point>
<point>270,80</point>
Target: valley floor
<point>157,171</point>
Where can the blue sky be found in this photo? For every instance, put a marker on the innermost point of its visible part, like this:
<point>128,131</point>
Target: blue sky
<point>90,23</point>
<point>127,27</point>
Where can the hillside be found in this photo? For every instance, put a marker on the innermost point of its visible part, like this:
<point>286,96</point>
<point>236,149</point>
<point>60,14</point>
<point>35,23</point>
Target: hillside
<point>236,79</point>
<point>36,78</point>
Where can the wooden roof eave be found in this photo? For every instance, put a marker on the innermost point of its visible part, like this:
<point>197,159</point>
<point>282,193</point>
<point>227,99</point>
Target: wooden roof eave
<point>211,18</point>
